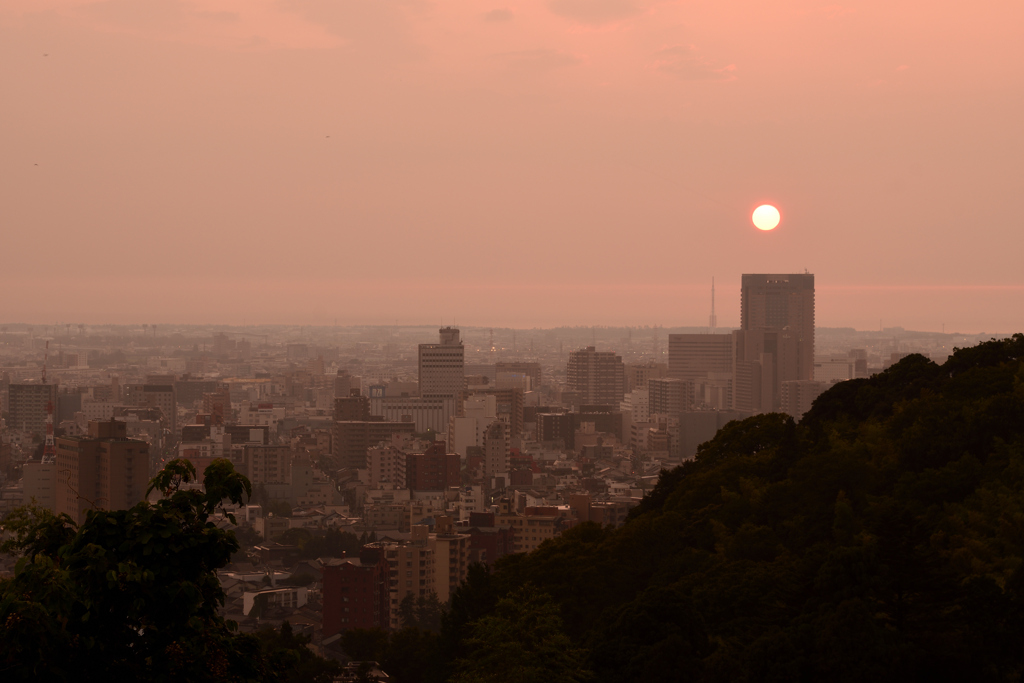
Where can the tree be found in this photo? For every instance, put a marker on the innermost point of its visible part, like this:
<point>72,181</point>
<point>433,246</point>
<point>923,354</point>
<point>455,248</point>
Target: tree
<point>422,612</point>
<point>522,642</point>
<point>278,507</point>
<point>878,539</point>
<point>128,594</point>
<point>289,654</point>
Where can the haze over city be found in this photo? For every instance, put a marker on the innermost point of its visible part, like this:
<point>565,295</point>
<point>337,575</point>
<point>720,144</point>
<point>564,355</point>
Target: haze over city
<point>515,164</point>
<point>505,341</point>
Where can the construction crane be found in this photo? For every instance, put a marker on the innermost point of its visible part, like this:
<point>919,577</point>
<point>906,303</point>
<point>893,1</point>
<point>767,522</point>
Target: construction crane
<point>49,448</point>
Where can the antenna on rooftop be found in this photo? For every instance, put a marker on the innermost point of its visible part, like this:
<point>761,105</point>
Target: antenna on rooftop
<point>713,320</point>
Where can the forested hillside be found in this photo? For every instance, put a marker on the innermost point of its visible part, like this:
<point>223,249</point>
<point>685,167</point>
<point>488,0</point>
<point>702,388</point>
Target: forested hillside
<point>879,539</point>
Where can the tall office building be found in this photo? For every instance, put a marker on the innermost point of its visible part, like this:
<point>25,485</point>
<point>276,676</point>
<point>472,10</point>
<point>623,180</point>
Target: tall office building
<point>598,376</point>
<point>442,366</point>
<point>775,342</point>
<point>105,470</point>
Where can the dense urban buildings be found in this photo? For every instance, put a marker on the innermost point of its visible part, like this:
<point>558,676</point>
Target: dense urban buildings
<point>423,453</point>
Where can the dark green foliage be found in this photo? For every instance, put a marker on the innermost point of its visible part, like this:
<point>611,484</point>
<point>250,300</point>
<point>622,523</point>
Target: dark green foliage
<point>289,654</point>
<point>278,508</point>
<point>422,612</point>
<point>129,594</point>
<point>521,641</point>
<point>880,539</point>
<point>409,655</point>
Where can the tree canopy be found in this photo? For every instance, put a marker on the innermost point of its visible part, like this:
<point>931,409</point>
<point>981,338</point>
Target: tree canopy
<point>881,538</point>
<point>129,594</point>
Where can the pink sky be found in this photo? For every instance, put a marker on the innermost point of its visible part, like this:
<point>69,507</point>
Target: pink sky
<point>520,163</point>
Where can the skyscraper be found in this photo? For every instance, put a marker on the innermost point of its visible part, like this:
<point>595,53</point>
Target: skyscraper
<point>775,343</point>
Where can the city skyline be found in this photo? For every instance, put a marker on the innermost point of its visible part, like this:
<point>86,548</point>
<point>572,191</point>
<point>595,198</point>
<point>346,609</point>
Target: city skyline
<point>997,311</point>
<point>516,163</point>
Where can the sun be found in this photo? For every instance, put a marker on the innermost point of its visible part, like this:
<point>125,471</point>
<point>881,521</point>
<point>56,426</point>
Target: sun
<point>766,217</point>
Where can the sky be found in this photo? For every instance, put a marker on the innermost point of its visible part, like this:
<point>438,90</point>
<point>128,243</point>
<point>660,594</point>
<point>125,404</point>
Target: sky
<point>526,164</point>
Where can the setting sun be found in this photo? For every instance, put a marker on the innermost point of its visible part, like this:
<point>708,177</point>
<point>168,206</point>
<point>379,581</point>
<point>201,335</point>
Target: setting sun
<point>765,217</point>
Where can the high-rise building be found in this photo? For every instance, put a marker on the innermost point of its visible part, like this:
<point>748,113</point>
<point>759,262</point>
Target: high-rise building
<point>669,395</point>
<point>451,557</point>
<point>26,407</point>
<point>356,592</point>
<point>387,467</point>
<point>411,565</point>
<point>467,430</point>
<point>598,376</point>
<point>104,470</point>
<point>433,470</point>
<point>155,395</point>
<point>267,464</point>
<point>693,356</point>
<point>509,406</point>
<point>497,447</point>
<point>776,332</point>
<point>442,366</point>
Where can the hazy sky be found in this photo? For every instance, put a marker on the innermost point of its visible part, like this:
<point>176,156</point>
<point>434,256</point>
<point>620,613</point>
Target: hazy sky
<point>509,163</point>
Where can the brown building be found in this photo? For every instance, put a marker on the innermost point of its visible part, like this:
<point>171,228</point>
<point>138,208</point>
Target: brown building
<point>433,470</point>
<point>268,464</point>
<point>26,407</point>
<point>160,396</point>
<point>451,557</point>
<point>356,592</point>
<point>694,356</point>
<point>348,408</point>
<point>217,404</point>
<point>442,366</point>
<point>104,470</point>
<point>487,541</point>
<point>411,565</point>
<point>598,376</point>
<point>354,438</point>
<point>669,395</point>
<point>509,405</point>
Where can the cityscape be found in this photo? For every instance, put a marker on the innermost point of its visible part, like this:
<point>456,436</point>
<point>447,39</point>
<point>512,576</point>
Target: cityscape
<point>511,341</point>
<point>446,452</point>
